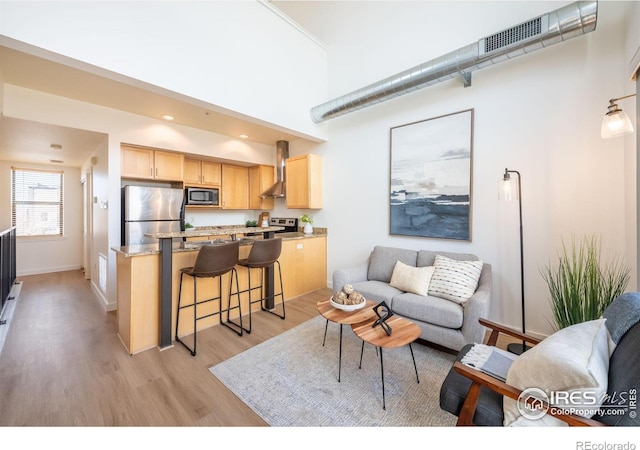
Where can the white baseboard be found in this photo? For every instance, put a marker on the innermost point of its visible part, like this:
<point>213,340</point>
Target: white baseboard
<point>104,301</point>
<point>42,270</point>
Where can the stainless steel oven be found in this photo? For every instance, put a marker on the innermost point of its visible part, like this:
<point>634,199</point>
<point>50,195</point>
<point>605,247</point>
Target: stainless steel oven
<point>290,224</point>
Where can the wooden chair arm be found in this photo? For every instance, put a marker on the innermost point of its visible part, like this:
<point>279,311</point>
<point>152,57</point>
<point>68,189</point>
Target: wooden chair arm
<point>480,379</point>
<point>497,329</point>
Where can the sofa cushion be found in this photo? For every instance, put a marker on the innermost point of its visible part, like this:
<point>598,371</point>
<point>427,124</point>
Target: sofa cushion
<point>454,280</point>
<point>383,260</point>
<point>428,257</point>
<point>377,291</point>
<point>411,279</point>
<point>433,310</point>
<point>573,360</point>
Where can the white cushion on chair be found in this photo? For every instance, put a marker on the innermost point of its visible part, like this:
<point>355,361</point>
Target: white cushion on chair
<point>573,360</point>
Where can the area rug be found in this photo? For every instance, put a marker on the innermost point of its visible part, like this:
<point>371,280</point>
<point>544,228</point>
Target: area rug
<point>292,380</point>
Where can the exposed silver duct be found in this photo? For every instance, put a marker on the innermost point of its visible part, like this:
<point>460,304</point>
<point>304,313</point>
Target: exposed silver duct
<point>560,25</point>
<point>279,188</point>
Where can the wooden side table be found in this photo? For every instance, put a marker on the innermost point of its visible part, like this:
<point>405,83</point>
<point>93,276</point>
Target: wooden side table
<point>343,318</point>
<point>403,332</point>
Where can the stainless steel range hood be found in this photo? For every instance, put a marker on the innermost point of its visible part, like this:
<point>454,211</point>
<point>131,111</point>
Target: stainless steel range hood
<point>279,188</point>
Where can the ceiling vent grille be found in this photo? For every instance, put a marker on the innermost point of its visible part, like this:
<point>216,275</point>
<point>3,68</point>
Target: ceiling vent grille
<point>514,35</point>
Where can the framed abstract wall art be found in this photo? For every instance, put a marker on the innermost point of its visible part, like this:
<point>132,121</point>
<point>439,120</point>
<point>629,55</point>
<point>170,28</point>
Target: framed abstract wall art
<point>431,167</point>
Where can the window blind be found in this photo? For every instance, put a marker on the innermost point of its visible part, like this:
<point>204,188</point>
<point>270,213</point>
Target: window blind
<point>37,206</point>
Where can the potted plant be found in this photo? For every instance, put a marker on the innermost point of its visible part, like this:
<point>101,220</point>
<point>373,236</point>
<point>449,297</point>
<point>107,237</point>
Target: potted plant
<point>188,226</point>
<point>308,221</point>
<point>581,287</point>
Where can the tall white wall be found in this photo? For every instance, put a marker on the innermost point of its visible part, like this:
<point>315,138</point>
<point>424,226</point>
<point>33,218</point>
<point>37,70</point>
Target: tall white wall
<point>539,114</point>
<point>238,56</point>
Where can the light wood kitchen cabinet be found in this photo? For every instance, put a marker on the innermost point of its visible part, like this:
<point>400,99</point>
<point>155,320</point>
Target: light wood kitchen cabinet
<point>261,178</point>
<point>304,182</point>
<point>150,164</point>
<point>304,265</point>
<point>201,172</point>
<point>235,187</point>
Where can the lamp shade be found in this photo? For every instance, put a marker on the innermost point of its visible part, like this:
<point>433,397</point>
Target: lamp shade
<point>508,188</point>
<point>615,123</point>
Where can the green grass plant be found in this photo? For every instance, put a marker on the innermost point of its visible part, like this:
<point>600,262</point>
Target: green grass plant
<point>581,286</point>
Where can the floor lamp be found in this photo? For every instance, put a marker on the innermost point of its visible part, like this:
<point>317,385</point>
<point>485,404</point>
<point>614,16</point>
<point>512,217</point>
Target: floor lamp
<point>517,348</point>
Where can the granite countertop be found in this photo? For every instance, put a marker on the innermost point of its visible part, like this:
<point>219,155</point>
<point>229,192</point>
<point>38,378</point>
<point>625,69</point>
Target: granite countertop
<point>231,230</point>
<point>191,246</point>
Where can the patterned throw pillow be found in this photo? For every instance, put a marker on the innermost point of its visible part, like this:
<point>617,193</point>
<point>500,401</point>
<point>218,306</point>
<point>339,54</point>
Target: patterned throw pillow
<point>454,280</point>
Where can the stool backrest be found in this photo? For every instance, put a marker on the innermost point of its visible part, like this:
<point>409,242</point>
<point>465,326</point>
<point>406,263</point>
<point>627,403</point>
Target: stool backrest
<point>265,252</point>
<point>216,260</point>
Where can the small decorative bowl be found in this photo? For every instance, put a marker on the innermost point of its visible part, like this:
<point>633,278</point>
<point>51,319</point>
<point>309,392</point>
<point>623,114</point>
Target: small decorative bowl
<point>347,307</point>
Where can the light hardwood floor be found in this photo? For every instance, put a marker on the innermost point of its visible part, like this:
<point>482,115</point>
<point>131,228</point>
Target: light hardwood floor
<point>63,364</point>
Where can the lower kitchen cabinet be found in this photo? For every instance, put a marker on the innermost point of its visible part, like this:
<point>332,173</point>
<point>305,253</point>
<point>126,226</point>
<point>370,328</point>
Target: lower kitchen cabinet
<point>304,265</point>
<point>304,269</point>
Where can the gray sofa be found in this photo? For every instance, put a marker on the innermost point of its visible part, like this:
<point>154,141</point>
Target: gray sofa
<point>442,321</point>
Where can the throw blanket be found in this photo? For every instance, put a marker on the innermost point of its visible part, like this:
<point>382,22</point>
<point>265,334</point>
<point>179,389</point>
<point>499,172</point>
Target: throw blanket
<point>622,314</point>
<point>490,360</point>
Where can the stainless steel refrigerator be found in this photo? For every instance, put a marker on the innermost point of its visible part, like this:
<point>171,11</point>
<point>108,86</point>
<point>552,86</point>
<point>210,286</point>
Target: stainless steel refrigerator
<point>150,210</point>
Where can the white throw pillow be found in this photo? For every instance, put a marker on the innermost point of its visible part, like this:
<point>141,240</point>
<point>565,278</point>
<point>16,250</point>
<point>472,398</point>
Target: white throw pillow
<point>454,280</point>
<point>574,362</point>
<point>411,279</point>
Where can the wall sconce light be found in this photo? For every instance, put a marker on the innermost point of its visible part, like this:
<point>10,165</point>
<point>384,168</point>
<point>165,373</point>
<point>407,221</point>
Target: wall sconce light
<point>616,122</point>
<point>509,192</point>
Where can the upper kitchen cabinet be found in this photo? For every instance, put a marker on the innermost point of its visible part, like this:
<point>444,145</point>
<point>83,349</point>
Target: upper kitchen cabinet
<point>197,172</point>
<point>150,164</point>
<point>260,179</point>
<point>235,187</point>
<point>304,182</point>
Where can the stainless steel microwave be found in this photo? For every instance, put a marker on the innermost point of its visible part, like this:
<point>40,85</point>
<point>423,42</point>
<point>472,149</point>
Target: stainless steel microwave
<point>202,196</point>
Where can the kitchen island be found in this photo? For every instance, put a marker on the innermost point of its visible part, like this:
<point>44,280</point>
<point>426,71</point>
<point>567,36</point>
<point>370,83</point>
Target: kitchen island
<point>148,278</point>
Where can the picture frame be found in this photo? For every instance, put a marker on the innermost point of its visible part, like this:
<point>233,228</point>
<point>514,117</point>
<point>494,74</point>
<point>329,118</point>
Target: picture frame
<point>431,166</point>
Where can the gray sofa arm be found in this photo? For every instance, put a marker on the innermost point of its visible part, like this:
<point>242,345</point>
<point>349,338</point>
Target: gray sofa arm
<point>478,307</point>
<point>350,275</point>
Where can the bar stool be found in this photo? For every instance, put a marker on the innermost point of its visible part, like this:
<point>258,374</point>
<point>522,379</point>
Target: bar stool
<point>212,261</point>
<point>263,255</point>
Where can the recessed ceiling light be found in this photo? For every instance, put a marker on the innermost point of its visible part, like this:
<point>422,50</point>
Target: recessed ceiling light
<point>57,161</point>
<point>56,147</point>
<point>167,117</point>
<point>244,136</point>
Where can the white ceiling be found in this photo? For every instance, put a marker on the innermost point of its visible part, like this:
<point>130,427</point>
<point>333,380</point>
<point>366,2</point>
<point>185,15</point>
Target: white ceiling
<point>30,142</point>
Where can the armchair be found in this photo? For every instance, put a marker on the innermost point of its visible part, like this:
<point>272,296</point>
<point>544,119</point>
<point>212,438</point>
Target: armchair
<point>478,399</point>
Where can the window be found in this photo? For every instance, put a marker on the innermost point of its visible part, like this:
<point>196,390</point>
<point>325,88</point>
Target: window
<point>37,202</point>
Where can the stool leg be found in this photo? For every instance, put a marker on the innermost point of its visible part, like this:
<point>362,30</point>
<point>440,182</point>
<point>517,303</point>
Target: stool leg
<point>228,322</point>
<point>238,291</point>
<point>281,294</point>
<point>195,316</point>
<point>179,299</point>
<point>193,351</point>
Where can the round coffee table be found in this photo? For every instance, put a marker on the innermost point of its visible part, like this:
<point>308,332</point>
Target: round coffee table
<point>403,332</point>
<point>343,318</point>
